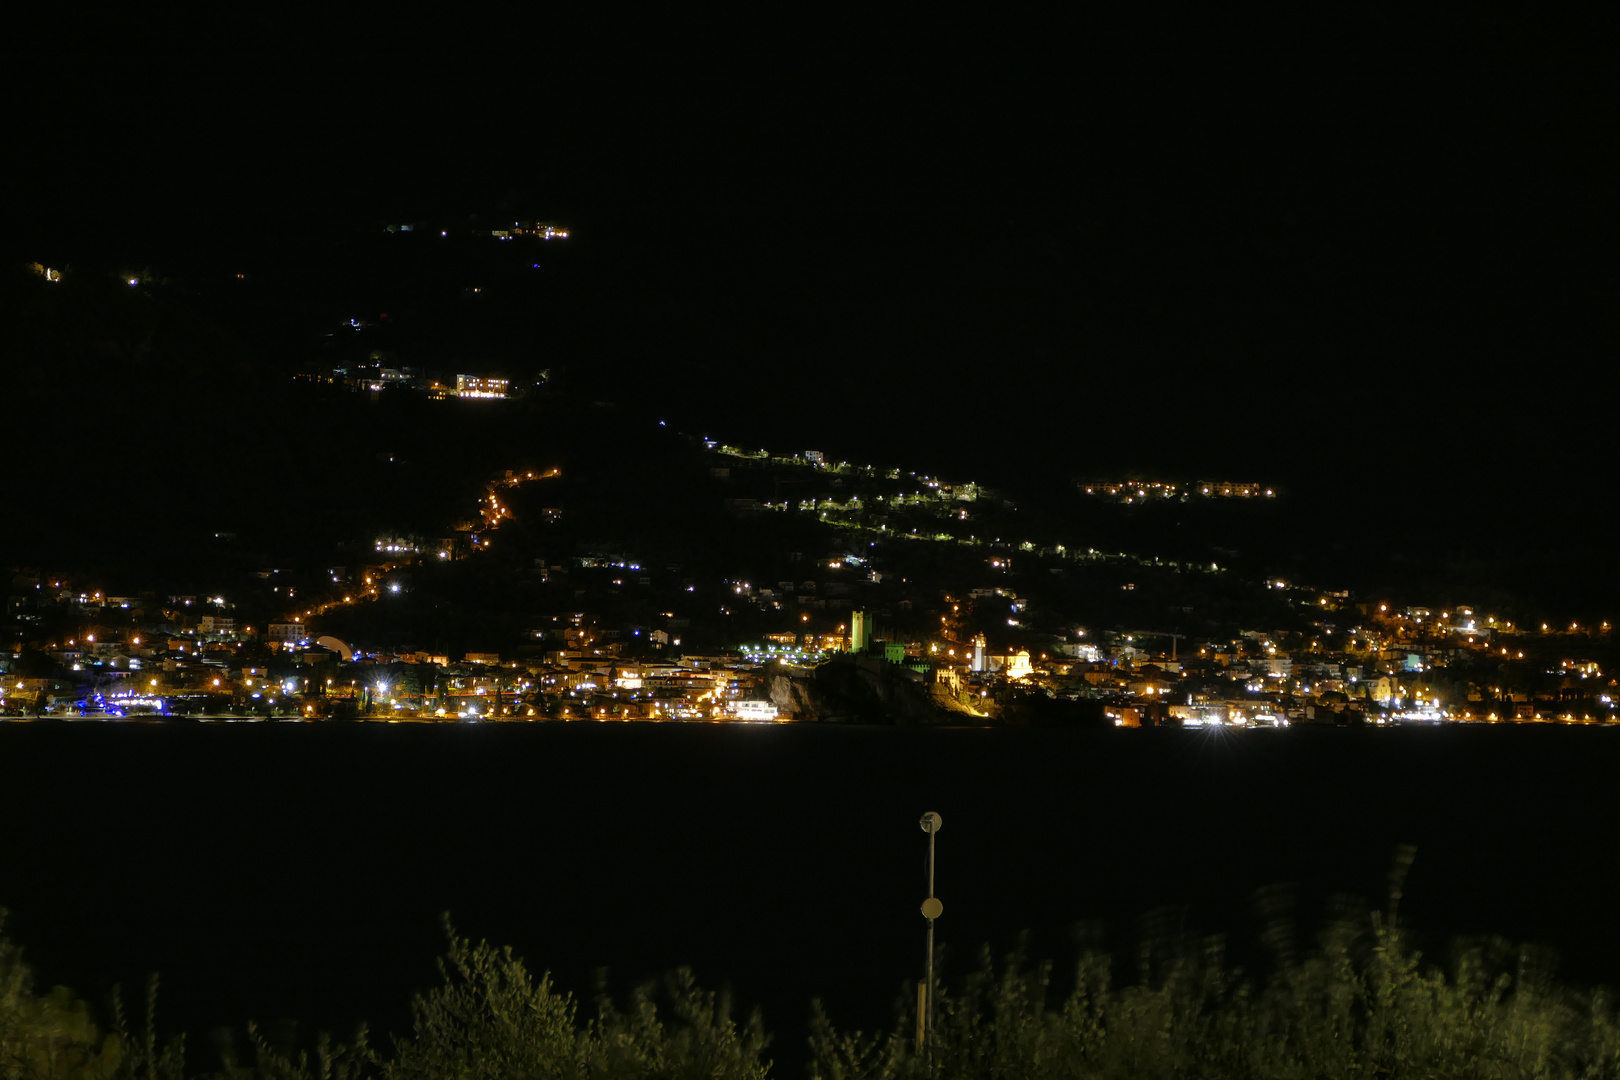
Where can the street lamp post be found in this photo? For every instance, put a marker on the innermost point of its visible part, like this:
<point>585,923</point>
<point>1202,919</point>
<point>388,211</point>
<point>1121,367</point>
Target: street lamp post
<point>931,910</point>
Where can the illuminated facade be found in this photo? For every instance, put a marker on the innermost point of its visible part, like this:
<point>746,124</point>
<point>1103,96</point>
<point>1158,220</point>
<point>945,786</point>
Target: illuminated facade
<point>480,386</point>
<point>755,711</point>
<point>860,631</point>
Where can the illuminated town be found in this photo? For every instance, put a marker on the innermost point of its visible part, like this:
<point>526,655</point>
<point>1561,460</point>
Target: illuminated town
<point>697,580</point>
<point>856,634</point>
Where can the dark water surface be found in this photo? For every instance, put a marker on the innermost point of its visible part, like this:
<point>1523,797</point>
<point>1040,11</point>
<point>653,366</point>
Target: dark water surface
<point>278,871</point>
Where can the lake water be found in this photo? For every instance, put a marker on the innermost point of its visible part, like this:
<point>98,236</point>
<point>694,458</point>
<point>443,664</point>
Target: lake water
<point>275,871</point>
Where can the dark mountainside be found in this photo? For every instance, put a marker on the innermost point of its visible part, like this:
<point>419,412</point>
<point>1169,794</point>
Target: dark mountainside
<point>1376,279</point>
<point>149,418</point>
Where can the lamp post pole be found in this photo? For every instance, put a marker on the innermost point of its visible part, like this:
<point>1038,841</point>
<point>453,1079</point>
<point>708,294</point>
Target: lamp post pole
<point>931,910</point>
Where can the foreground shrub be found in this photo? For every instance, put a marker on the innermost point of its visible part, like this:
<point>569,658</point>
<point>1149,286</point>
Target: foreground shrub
<point>489,1019</point>
<point>1360,1003</point>
<point>48,1036</point>
<point>492,1020</point>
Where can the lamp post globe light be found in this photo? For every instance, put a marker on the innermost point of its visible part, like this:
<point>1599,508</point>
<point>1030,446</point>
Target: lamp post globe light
<point>932,909</point>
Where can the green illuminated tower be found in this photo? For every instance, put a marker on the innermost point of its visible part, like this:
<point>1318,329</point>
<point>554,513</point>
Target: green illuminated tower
<point>860,631</point>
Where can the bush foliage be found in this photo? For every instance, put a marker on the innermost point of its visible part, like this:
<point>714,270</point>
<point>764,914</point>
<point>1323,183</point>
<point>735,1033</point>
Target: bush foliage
<point>1360,1003</point>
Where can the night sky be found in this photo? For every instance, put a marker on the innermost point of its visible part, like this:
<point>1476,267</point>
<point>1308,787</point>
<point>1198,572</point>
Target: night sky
<point>1367,257</point>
